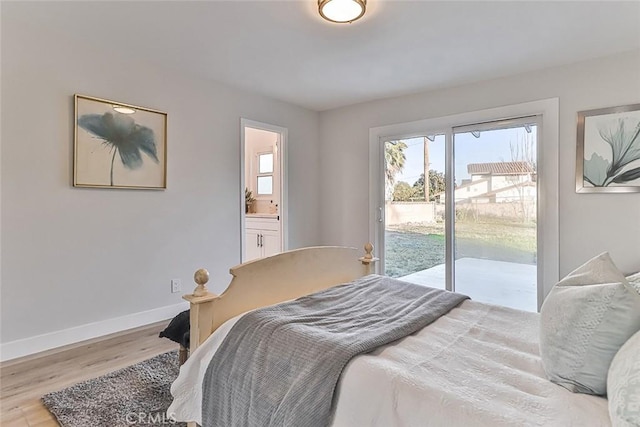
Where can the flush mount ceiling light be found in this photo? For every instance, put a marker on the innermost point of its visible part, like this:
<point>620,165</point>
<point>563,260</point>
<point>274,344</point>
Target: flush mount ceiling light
<point>342,11</point>
<point>123,110</point>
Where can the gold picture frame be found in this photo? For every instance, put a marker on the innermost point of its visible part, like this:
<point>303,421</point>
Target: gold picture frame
<point>118,145</point>
<point>608,150</point>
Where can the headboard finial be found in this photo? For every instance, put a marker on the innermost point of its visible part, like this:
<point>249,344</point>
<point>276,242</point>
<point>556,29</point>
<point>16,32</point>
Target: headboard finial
<point>201,277</point>
<point>368,260</point>
<point>368,248</point>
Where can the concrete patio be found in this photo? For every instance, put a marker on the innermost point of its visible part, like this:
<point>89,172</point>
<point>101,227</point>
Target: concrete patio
<point>496,282</point>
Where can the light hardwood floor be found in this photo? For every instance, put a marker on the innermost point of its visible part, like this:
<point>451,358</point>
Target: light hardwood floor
<point>23,381</point>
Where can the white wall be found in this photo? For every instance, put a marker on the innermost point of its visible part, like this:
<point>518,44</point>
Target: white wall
<point>72,256</point>
<point>589,223</point>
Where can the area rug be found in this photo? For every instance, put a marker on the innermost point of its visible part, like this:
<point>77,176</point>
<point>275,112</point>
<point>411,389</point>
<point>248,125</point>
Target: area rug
<point>134,396</point>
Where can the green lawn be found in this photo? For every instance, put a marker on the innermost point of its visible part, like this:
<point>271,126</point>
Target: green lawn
<point>408,252</point>
<point>413,247</point>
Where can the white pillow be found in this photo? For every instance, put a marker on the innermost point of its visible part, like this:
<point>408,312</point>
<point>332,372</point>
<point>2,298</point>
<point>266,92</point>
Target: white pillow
<point>584,321</point>
<point>623,385</point>
<point>634,280</point>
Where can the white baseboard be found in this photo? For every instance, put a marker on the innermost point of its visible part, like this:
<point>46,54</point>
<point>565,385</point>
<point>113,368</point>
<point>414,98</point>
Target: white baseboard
<point>24,347</point>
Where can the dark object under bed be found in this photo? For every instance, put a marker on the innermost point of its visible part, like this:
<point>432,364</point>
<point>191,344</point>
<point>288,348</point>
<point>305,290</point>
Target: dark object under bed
<point>178,331</point>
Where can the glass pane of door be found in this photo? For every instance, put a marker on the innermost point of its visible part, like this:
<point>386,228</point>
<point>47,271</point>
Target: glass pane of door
<point>495,214</point>
<point>414,227</point>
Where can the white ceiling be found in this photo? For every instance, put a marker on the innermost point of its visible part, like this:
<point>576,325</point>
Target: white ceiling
<point>283,49</point>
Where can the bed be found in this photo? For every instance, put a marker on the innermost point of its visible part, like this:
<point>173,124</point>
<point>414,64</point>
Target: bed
<point>477,365</point>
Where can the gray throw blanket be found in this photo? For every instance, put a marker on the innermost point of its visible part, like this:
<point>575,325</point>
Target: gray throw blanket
<point>279,365</point>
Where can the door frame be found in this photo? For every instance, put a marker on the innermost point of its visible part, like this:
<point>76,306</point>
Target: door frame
<point>548,262</point>
<point>283,172</point>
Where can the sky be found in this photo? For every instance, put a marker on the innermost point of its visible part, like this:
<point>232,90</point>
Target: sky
<point>492,146</point>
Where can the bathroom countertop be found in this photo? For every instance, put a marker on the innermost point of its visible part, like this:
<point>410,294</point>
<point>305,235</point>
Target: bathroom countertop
<point>263,215</point>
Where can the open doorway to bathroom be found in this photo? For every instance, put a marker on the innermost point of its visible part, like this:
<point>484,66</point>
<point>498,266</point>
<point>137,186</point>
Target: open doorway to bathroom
<point>263,190</point>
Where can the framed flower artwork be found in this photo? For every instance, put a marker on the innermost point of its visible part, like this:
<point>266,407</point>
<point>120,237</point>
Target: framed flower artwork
<point>118,145</point>
<point>608,150</point>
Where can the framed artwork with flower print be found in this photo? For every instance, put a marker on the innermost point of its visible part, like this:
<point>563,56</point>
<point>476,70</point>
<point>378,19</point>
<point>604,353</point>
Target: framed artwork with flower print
<point>118,145</point>
<point>608,150</point>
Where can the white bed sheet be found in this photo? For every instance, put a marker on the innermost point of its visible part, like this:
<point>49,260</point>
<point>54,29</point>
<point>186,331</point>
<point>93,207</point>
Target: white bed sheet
<point>477,366</point>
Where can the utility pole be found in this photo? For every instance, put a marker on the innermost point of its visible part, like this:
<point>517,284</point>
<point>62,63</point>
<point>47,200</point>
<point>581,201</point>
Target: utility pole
<point>426,169</point>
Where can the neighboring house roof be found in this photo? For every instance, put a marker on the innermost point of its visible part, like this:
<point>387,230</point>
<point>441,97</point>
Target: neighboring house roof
<point>500,168</point>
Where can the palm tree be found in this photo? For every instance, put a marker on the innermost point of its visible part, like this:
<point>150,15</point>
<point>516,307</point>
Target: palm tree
<point>122,135</point>
<point>394,159</point>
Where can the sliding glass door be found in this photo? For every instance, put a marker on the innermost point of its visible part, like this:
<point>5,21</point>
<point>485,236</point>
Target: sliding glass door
<point>495,205</point>
<point>414,226</point>
<point>460,210</point>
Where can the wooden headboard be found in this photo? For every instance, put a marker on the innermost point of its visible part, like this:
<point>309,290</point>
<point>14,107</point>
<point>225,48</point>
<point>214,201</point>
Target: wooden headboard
<point>271,280</point>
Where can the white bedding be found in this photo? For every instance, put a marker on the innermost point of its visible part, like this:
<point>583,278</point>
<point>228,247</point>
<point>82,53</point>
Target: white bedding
<point>476,366</point>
